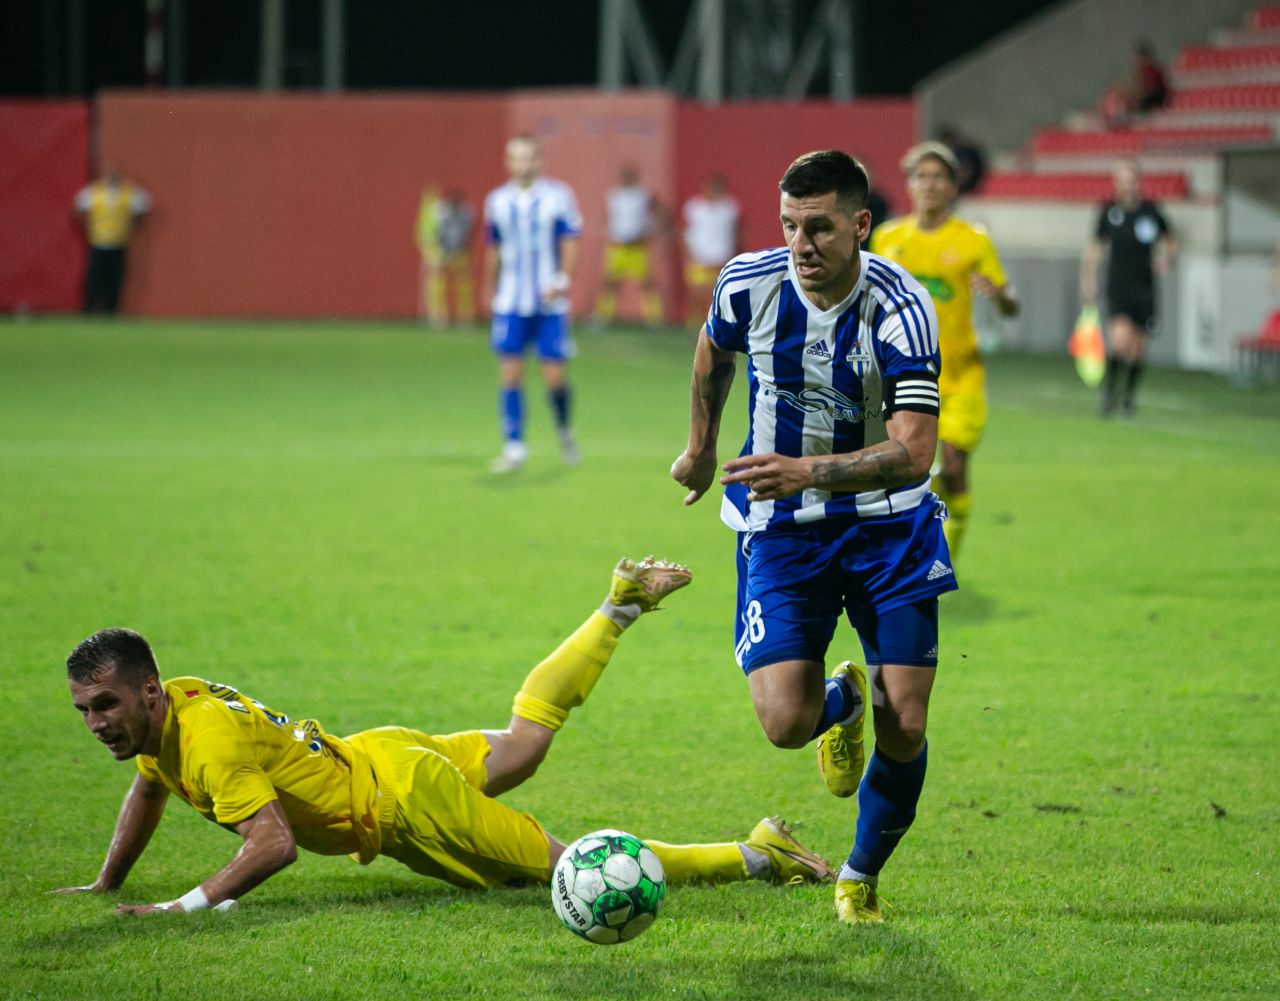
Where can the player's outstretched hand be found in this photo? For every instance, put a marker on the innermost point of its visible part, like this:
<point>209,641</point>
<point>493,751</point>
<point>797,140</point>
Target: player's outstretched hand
<point>170,908</point>
<point>983,285</point>
<point>696,472</point>
<point>769,476</point>
<point>91,888</point>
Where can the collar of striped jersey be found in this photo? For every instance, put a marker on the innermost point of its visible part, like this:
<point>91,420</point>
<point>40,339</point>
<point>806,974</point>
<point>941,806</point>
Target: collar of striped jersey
<point>815,310</point>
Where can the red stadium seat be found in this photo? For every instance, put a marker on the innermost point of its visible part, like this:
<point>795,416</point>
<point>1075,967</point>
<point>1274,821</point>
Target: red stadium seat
<point>1260,352</point>
<point>1078,186</point>
<point>1229,97</point>
<point>1265,18</point>
<point>1130,142</point>
<point>1198,58</point>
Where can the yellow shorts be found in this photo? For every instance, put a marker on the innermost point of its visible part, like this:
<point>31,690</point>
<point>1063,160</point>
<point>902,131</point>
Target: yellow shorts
<point>962,420</point>
<point>700,275</point>
<point>625,262</point>
<point>445,827</point>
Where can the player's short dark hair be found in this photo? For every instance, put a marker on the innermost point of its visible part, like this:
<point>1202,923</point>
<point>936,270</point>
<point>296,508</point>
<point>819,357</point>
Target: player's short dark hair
<point>825,171</point>
<point>122,649</point>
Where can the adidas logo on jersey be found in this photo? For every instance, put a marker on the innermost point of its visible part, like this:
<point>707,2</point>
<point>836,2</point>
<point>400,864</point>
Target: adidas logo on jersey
<point>939,569</point>
<point>819,349</point>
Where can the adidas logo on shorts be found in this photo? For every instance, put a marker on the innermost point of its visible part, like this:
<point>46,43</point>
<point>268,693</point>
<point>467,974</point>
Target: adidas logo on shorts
<point>939,569</point>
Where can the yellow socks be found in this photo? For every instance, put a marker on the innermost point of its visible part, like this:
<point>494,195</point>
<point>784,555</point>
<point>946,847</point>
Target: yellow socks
<point>722,863</point>
<point>958,507</point>
<point>651,309</point>
<point>606,307</point>
<point>565,679</point>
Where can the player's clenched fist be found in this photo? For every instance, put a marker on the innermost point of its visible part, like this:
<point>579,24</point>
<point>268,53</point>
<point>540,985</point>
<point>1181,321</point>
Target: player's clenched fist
<point>696,472</point>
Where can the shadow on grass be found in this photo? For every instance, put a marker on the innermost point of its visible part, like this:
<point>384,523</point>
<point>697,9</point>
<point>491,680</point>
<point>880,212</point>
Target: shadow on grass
<point>408,899</point>
<point>1267,914</point>
<point>968,606</point>
<point>885,963</point>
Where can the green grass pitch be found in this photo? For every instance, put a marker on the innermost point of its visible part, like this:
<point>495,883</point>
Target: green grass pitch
<point>304,511</point>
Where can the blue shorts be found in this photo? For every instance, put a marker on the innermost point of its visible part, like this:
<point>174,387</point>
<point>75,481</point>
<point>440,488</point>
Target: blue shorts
<point>885,574</point>
<point>512,335</point>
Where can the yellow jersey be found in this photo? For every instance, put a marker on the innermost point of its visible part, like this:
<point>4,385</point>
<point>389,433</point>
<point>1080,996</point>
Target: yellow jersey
<point>111,211</point>
<point>942,260</point>
<point>228,756</point>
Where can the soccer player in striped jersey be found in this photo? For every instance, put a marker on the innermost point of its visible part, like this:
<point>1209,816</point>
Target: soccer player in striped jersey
<point>830,497</point>
<point>532,225</point>
<point>954,260</point>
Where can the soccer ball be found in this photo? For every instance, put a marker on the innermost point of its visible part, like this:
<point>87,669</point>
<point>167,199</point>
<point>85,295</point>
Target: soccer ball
<point>607,887</point>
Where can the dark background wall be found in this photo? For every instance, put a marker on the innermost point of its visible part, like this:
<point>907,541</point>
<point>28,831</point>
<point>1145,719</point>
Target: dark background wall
<point>497,44</point>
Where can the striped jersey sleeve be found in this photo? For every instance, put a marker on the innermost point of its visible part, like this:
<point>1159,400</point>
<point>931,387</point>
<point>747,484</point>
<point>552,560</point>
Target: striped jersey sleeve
<point>905,324</point>
<point>739,292</point>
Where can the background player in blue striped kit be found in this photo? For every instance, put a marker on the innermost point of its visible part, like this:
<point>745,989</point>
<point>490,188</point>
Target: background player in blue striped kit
<point>532,224</point>
<point>830,497</point>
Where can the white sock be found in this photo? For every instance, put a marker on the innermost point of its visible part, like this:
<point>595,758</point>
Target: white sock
<point>620,615</point>
<point>857,698</point>
<point>848,872</point>
<point>758,864</point>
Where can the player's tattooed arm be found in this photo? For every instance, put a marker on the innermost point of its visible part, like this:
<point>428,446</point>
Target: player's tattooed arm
<point>713,371</point>
<point>903,458</point>
<point>880,467</point>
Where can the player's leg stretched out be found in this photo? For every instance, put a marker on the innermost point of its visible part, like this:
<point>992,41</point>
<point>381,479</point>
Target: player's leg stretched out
<point>563,681</point>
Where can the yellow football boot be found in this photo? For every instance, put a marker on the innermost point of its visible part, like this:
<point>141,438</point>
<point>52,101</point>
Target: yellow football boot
<point>856,903</point>
<point>792,862</point>
<point>647,582</point>
<point>842,750</point>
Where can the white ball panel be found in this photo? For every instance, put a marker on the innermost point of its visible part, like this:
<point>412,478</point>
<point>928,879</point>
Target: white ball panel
<point>588,883</point>
<point>621,872</point>
<point>603,936</point>
<point>651,866</point>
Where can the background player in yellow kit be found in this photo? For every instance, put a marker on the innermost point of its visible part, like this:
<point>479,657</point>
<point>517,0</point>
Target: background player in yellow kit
<point>424,800</point>
<point>952,259</point>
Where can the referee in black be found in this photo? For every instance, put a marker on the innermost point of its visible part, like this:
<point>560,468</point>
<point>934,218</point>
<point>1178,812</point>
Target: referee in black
<point>1140,246</point>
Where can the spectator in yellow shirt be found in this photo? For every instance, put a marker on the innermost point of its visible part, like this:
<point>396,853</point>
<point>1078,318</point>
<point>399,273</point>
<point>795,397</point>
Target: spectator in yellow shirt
<point>110,209</point>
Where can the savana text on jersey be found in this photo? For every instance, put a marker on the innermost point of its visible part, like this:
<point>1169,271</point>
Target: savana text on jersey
<point>818,398</point>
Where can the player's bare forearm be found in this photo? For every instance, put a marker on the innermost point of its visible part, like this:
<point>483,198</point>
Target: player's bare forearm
<point>880,467</point>
<point>1003,297</point>
<point>713,371</point>
<point>904,458</point>
<point>139,816</point>
<point>491,265</point>
<point>268,847</point>
<point>569,255</point>
<point>1007,302</point>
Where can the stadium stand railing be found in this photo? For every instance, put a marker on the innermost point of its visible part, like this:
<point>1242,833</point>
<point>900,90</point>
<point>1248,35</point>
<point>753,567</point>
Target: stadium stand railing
<point>1259,354</point>
<point>1225,94</point>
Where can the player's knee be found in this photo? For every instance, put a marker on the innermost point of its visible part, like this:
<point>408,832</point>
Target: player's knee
<point>785,730</point>
<point>901,733</point>
<point>529,755</point>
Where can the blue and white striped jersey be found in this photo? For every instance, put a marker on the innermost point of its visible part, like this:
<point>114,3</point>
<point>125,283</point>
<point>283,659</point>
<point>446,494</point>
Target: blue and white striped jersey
<point>823,382</point>
<point>527,225</point>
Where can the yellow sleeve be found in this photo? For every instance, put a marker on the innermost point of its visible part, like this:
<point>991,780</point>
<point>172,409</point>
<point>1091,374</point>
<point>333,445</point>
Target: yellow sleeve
<point>877,240</point>
<point>989,262</point>
<point>219,760</point>
<point>147,768</point>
